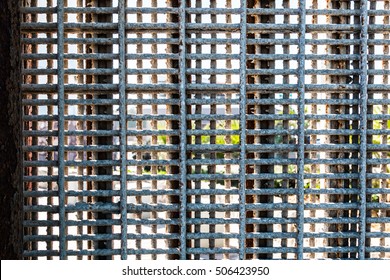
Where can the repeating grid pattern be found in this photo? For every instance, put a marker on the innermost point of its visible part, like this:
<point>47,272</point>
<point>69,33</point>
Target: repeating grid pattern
<point>205,129</point>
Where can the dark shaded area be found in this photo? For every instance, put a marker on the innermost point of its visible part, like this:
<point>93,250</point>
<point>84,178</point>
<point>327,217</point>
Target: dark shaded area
<point>103,244</point>
<point>264,124</point>
<point>11,190</point>
<point>174,140</point>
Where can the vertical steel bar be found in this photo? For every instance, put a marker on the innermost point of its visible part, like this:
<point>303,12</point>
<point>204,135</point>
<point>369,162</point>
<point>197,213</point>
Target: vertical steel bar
<point>50,127</point>
<point>183,131</point>
<point>90,125</point>
<point>228,126</point>
<point>80,126</point>
<point>285,139</point>
<point>265,124</point>
<point>242,199</point>
<point>301,125</point>
<point>32,126</point>
<point>313,125</point>
<point>66,113</point>
<point>61,128</point>
<point>198,125</point>
<point>363,128</point>
<point>211,169</point>
<point>154,126</point>
<point>139,126</point>
<point>384,141</point>
<point>371,20</point>
<point>122,125</point>
<point>355,138</point>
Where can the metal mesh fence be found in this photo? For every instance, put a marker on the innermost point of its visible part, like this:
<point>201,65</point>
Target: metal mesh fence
<point>206,129</point>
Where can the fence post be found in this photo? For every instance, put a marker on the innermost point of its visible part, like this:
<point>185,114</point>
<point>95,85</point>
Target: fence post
<point>11,186</point>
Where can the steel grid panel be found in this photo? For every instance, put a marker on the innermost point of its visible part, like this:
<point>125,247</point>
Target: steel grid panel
<point>205,129</point>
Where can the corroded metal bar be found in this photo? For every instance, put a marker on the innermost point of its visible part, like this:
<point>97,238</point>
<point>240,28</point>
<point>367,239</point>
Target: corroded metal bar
<point>243,127</point>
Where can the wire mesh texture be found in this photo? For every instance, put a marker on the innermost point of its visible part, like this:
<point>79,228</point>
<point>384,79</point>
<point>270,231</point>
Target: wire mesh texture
<point>205,129</point>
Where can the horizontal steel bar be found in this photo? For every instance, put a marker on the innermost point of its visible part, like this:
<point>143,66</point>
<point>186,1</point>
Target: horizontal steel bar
<point>206,101</point>
<point>86,163</point>
<point>213,11</point>
<point>377,249</point>
<point>212,251</point>
<point>201,87</point>
<point>212,117</point>
<point>331,191</point>
<point>212,235</point>
<point>197,177</point>
<point>97,178</point>
<point>214,221</point>
<point>106,193</point>
<point>280,191</point>
<point>51,223</point>
<point>100,41</point>
<point>344,206</point>
<point>51,238</point>
<point>233,191</point>
<point>213,132</point>
<point>90,88</point>
<point>272,235</point>
<point>102,148</point>
<point>54,253</point>
<point>100,56</point>
<point>290,71</point>
<point>214,147</point>
<point>378,234</point>
<point>270,176</point>
<point>212,207</point>
<point>111,252</point>
<point>306,220</point>
<point>254,250</point>
<point>212,161</point>
<point>194,41</point>
<point>332,176</point>
<point>190,10</point>
<point>141,236</point>
<point>331,235</point>
<point>276,192</point>
<point>101,207</point>
<point>272,131</point>
<point>272,161</point>
<point>318,101</point>
<point>41,253</point>
<point>148,27</point>
<point>349,249</point>
<point>332,132</point>
<point>97,27</point>
<point>100,71</point>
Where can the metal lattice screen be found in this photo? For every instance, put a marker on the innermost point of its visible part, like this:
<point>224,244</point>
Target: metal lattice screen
<point>206,129</point>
